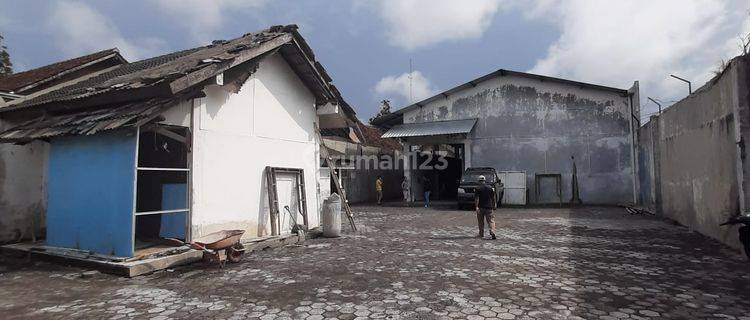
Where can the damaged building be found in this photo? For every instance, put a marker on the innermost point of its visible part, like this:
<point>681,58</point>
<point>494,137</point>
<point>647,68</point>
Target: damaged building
<point>532,129</point>
<point>184,144</point>
<point>22,173</point>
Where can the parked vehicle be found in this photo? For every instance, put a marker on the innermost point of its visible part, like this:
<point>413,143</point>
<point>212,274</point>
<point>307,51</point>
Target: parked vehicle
<point>744,231</point>
<point>470,181</point>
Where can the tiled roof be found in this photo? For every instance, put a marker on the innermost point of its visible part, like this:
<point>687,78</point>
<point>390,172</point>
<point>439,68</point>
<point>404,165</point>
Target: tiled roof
<point>172,73</point>
<point>84,88</point>
<point>17,81</point>
<point>373,138</point>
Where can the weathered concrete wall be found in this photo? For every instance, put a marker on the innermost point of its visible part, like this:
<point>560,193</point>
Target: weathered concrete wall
<point>537,126</point>
<point>645,157</point>
<point>359,184</point>
<point>22,189</point>
<point>696,156</point>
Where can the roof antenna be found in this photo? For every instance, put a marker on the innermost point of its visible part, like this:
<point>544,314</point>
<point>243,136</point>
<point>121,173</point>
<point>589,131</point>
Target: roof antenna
<point>411,97</point>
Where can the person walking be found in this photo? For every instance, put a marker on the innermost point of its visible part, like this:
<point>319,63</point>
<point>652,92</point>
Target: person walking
<point>379,189</point>
<point>405,189</point>
<point>485,204</point>
<point>426,188</point>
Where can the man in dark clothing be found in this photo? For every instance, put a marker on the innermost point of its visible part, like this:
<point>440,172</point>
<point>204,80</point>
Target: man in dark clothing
<point>485,203</point>
<point>426,188</point>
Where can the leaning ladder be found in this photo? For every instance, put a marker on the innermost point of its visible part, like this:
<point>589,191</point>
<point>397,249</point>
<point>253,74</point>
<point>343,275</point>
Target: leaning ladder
<point>345,204</point>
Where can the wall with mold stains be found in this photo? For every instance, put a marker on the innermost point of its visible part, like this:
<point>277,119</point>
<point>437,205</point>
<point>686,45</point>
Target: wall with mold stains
<point>697,153</point>
<point>22,191</point>
<point>537,126</point>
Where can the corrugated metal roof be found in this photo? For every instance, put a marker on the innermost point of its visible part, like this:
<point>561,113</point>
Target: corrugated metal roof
<point>431,128</point>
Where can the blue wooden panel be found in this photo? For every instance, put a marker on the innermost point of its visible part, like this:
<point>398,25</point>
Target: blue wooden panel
<point>90,192</point>
<point>173,196</point>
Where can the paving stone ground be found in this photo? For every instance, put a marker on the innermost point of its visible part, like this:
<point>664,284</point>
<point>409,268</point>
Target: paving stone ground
<point>417,263</point>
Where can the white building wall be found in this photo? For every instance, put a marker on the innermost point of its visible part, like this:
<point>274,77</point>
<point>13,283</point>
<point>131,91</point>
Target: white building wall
<point>269,122</point>
<point>22,193</point>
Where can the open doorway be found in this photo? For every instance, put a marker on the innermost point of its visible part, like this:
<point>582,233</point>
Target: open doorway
<point>443,165</point>
<point>161,208</point>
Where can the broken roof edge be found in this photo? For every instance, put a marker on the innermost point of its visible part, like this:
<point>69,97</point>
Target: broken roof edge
<point>92,120</point>
<point>85,60</point>
<point>281,36</point>
<point>386,119</point>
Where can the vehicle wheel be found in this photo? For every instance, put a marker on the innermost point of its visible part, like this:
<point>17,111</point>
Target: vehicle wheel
<point>235,252</point>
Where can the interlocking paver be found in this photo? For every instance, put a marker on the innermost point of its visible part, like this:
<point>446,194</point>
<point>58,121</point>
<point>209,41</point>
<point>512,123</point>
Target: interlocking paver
<point>585,263</point>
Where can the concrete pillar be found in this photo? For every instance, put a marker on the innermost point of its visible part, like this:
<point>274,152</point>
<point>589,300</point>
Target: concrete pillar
<point>467,153</point>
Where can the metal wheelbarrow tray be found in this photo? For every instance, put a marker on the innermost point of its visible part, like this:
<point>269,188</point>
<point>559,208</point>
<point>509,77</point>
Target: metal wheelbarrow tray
<point>221,245</point>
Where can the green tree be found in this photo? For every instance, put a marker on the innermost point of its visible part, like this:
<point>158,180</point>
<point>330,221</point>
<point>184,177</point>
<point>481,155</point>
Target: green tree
<point>385,108</point>
<point>6,67</point>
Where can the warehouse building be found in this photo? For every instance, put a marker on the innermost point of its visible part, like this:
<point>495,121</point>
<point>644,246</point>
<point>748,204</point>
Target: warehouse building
<point>537,131</point>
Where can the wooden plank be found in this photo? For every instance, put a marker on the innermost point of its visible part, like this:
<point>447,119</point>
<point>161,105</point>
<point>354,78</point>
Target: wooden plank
<point>272,204</point>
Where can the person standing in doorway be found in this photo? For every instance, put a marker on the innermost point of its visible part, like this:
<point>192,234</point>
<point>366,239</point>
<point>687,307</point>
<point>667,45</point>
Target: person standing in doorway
<point>485,204</point>
<point>379,189</point>
<point>426,188</point>
<point>405,189</point>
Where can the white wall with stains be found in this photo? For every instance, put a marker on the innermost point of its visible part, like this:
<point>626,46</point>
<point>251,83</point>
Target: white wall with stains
<point>22,191</point>
<point>268,122</point>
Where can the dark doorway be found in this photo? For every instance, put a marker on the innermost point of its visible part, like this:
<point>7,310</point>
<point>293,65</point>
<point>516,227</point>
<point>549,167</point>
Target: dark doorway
<point>443,165</point>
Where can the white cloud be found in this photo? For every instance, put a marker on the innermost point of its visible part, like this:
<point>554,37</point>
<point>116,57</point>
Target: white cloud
<point>616,42</point>
<point>413,24</point>
<point>397,87</point>
<point>79,29</point>
<point>201,18</point>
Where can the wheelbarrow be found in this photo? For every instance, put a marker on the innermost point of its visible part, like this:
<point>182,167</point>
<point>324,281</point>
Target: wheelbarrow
<point>220,246</point>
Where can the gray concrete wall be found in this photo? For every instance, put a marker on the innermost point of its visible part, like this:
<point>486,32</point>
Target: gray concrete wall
<point>22,191</point>
<point>695,152</point>
<point>359,184</point>
<point>645,157</point>
<point>537,126</point>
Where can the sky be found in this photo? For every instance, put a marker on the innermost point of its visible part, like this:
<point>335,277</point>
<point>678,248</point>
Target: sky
<point>367,45</point>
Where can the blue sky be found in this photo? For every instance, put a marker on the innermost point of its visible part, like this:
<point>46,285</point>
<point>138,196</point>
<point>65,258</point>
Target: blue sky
<point>366,44</point>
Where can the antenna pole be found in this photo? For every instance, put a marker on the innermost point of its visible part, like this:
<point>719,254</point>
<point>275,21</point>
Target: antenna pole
<point>411,97</point>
